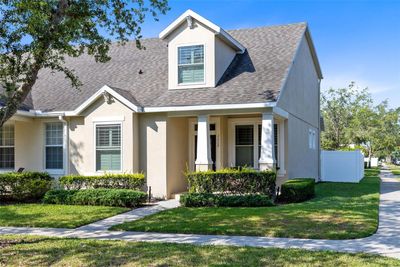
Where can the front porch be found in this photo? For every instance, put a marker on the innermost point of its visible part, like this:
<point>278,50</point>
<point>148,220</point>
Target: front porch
<point>215,141</point>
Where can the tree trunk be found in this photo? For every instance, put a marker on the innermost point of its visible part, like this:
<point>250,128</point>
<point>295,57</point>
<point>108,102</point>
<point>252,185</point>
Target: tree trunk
<point>18,97</point>
<point>14,101</point>
<point>369,156</point>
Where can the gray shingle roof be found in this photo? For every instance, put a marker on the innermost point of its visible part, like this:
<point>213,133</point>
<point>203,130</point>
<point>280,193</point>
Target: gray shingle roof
<point>253,77</point>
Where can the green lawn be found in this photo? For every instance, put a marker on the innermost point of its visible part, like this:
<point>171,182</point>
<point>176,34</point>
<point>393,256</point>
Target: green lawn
<point>396,172</point>
<point>59,216</point>
<point>42,251</point>
<point>394,168</point>
<point>339,211</point>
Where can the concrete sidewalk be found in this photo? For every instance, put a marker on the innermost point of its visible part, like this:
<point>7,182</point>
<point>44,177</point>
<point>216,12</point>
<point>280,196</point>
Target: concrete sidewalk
<point>132,215</point>
<point>385,242</point>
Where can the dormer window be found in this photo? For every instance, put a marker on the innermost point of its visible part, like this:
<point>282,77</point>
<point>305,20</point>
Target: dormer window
<point>191,64</point>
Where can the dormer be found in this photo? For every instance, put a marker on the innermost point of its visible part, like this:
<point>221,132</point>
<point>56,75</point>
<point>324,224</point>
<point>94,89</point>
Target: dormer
<point>199,52</point>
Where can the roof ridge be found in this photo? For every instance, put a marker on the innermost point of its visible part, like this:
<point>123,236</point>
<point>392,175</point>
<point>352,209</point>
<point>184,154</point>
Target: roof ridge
<point>270,26</point>
<point>227,30</point>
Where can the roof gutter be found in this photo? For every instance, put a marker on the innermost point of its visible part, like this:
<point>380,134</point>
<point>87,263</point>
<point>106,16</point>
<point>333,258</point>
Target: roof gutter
<point>209,107</point>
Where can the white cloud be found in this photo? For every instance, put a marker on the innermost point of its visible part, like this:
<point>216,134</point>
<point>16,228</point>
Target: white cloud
<point>380,90</point>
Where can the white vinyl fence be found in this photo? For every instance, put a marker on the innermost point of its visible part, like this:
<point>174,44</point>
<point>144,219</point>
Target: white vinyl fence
<point>342,166</point>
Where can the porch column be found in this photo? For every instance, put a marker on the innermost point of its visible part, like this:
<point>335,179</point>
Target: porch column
<point>203,157</point>
<point>267,157</point>
<point>281,145</point>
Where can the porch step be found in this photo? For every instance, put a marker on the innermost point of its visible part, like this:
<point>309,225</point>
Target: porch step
<point>177,196</point>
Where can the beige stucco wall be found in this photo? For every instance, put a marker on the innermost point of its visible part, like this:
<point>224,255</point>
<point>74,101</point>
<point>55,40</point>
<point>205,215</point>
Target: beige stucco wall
<point>224,141</point>
<point>300,97</point>
<point>177,154</point>
<point>153,151</point>
<point>217,54</point>
<point>29,144</point>
<point>303,161</point>
<point>223,58</point>
<point>82,136</point>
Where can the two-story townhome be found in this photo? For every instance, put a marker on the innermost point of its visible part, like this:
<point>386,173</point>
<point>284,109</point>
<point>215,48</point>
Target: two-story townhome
<point>197,97</point>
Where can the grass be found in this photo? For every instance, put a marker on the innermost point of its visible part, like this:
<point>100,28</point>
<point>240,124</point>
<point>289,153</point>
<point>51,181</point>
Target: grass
<point>396,172</point>
<point>42,251</point>
<point>58,216</point>
<point>394,169</point>
<point>339,211</point>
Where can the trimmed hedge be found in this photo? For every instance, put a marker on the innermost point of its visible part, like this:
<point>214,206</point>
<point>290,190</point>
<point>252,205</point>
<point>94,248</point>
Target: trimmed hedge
<point>219,200</point>
<point>96,197</point>
<point>297,190</point>
<point>233,182</point>
<point>24,186</point>
<point>133,181</point>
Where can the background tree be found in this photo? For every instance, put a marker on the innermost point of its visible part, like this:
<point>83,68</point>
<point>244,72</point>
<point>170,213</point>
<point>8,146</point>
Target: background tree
<point>42,33</point>
<point>351,118</point>
<point>338,107</point>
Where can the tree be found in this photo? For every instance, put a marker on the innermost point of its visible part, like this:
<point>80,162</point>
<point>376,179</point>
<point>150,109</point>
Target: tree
<point>351,118</point>
<point>387,133</point>
<point>338,107</point>
<point>42,34</point>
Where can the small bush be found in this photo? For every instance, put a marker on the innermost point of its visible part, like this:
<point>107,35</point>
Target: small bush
<point>219,200</point>
<point>297,190</point>
<point>96,197</point>
<point>25,186</point>
<point>134,181</point>
<point>233,182</point>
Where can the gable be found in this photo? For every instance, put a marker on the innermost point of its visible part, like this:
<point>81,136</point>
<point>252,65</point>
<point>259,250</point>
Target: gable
<point>300,93</point>
<point>218,50</point>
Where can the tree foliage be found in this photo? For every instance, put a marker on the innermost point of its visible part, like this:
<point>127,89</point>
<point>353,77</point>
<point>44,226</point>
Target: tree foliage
<point>351,117</point>
<point>42,34</point>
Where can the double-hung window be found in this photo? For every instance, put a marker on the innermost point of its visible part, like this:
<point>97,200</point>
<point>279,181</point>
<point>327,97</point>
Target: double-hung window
<point>7,147</point>
<point>108,147</point>
<point>54,146</point>
<point>312,137</point>
<point>248,144</point>
<point>191,64</point>
<point>244,145</point>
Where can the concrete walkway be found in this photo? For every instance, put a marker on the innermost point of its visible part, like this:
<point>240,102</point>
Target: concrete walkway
<point>385,242</point>
<point>132,215</point>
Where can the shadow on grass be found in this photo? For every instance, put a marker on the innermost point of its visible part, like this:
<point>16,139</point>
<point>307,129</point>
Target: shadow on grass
<point>109,253</point>
<point>339,211</point>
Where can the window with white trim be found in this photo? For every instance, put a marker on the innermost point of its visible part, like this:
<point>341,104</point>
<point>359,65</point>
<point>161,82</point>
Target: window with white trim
<point>191,64</point>
<point>7,148</point>
<point>244,145</point>
<point>108,147</point>
<point>312,139</point>
<point>54,146</point>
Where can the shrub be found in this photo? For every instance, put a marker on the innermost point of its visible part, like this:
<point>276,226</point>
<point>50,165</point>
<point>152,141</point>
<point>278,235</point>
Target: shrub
<point>233,182</point>
<point>25,186</point>
<point>297,190</point>
<point>220,200</point>
<point>133,181</point>
<point>96,197</point>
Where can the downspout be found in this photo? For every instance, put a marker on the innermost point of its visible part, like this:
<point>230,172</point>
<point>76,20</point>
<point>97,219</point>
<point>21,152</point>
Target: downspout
<point>65,143</point>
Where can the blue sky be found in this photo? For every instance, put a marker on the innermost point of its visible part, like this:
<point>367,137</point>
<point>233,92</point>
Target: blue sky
<point>355,40</point>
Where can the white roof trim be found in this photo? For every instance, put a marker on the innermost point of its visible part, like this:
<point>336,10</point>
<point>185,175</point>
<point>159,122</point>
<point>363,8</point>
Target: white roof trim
<point>87,103</point>
<point>218,30</point>
<point>280,112</point>
<point>98,94</point>
<point>209,107</point>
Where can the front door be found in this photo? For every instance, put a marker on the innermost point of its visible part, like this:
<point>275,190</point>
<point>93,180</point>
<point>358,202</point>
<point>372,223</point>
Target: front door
<point>213,146</point>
